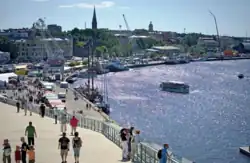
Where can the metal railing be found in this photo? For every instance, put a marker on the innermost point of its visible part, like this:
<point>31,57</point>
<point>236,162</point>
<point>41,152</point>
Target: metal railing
<point>144,152</point>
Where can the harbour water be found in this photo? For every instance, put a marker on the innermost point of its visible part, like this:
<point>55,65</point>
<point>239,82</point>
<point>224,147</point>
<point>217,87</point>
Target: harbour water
<point>207,126</point>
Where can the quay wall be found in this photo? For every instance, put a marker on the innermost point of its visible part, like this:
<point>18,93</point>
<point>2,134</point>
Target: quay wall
<point>145,153</point>
<point>156,63</point>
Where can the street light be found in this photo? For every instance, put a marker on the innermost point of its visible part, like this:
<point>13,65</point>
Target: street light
<point>216,26</point>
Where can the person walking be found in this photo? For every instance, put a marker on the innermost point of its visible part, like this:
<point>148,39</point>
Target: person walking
<point>73,124</point>
<point>77,144</point>
<point>6,151</point>
<point>17,154</point>
<point>30,105</point>
<point>30,132</point>
<point>63,145</point>
<point>63,122</point>
<point>42,110</point>
<point>56,112</point>
<point>24,106</point>
<point>31,154</point>
<point>18,106</point>
<point>24,149</point>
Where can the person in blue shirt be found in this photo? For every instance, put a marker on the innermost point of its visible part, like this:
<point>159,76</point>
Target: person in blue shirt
<point>164,153</point>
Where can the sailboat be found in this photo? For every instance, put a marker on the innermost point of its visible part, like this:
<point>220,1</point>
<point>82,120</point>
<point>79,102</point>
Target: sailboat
<point>103,100</point>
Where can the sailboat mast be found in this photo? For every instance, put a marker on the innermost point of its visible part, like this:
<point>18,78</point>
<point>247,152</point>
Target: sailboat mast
<point>92,60</point>
<point>88,69</point>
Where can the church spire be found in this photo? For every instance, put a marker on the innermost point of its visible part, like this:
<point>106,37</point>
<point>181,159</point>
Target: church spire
<point>94,20</point>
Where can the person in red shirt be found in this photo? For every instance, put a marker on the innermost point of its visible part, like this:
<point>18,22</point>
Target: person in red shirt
<point>73,124</point>
<point>18,154</point>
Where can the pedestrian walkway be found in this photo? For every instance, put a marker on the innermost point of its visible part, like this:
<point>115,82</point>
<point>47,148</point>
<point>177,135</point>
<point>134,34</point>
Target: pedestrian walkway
<point>79,104</point>
<point>96,148</point>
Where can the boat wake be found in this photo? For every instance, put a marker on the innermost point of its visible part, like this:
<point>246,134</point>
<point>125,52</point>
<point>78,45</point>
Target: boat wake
<point>195,91</point>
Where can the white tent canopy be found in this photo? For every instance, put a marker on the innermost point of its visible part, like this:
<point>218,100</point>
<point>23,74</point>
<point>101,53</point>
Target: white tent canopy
<point>5,77</point>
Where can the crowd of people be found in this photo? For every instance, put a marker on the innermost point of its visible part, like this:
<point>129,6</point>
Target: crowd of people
<point>129,140</point>
<point>21,151</point>
<point>27,149</point>
<point>28,99</point>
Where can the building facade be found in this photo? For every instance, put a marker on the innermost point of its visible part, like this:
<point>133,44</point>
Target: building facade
<point>208,43</point>
<point>38,49</point>
<point>54,29</point>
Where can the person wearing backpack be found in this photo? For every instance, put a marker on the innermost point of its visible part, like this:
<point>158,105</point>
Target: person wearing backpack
<point>163,154</point>
<point>77,144</point>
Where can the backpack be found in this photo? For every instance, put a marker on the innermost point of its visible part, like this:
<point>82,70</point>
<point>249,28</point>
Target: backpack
<point>159,154</point>
<point>77,143</point>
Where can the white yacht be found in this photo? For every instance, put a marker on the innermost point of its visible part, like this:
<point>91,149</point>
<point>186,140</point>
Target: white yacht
<point>175,86</point>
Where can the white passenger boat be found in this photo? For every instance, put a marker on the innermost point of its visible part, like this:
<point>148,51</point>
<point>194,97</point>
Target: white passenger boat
<point>174,86</point>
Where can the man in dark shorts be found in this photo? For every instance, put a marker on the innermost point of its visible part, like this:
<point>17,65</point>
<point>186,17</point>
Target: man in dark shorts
<point>64,146</point>
<point>24,149</point>
<point>30,132</point>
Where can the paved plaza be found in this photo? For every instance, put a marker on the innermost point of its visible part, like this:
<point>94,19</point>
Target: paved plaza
<point>96,148</point>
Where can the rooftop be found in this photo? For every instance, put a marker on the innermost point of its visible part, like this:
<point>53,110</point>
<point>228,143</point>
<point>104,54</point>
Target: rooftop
<point>166,48</point>
<point>134,36</point>
<point>45,39</point>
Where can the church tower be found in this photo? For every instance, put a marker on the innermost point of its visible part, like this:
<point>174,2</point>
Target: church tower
<point>94,20</point>
<point>150,27</point>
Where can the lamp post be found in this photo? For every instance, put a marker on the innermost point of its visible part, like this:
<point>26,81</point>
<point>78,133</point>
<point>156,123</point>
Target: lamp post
<point>216,26</point>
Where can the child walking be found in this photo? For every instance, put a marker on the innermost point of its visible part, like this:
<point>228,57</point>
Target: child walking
<point>31,154</point>
<point>18,154</point>
<point>6,151</point>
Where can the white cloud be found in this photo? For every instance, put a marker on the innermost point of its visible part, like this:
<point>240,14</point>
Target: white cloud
<point>124,7</point>
<point>40,0</point>
<point>104,4</point>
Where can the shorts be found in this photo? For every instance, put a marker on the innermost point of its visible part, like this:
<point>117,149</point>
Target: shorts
<point>31,161</point>
<point>64,151</point>
<point>76,152</point>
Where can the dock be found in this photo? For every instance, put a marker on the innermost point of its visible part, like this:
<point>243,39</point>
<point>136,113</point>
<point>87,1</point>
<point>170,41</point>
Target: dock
<point>151,63</point>
<point>245,151</point>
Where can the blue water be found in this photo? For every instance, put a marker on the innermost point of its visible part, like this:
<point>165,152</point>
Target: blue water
<point>206,126</point>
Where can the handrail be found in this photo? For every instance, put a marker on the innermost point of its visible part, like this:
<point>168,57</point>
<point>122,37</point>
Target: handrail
<point>144,153</point>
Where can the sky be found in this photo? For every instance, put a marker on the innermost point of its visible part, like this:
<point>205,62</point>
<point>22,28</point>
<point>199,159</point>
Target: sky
<point>167,15</point>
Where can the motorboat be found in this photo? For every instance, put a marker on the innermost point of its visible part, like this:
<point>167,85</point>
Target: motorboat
<point>175,86</point>
<point>177,59</point>
<point>116,67</point>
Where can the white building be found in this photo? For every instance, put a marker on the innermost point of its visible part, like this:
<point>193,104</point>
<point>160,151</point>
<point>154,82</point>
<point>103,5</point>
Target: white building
<point>168,50</point>
<point>38,49</point>
<point>208,43</point>
<point>4,57</point>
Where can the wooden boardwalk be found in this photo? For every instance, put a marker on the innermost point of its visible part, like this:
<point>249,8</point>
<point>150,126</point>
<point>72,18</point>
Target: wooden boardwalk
<point>96,148</point>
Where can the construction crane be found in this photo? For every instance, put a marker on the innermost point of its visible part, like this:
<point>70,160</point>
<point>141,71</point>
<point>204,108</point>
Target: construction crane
<point>130,42</point>
<point>53,54</point>
<point>126,23</point>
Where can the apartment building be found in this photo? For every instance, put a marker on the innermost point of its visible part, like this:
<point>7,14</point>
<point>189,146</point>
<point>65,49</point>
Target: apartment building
<point>38,49</point>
